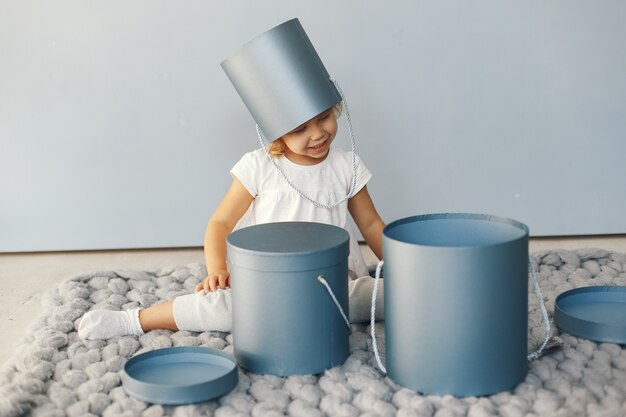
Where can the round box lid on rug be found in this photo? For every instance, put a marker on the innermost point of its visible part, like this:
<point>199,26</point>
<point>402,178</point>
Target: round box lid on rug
<point>180,375</point>
<point>596,313</point>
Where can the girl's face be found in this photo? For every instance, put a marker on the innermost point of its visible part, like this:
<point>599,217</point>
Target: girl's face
<point>308,144</point>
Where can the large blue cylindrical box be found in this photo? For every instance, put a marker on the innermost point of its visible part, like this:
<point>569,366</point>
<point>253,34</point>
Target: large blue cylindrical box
<point>456,303</point>
<point>284,319</point>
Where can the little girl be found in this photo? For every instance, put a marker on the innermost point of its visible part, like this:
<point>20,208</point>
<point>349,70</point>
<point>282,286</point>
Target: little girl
<point>300,178</point>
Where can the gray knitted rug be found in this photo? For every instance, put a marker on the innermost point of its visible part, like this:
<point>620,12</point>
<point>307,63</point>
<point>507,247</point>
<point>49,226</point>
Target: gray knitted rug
<point>53,373</point>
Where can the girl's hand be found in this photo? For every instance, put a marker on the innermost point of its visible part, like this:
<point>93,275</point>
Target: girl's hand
<point>214,280</point>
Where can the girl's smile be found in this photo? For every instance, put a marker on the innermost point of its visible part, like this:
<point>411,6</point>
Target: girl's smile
<point>321,147</point>
<point>308,144</point>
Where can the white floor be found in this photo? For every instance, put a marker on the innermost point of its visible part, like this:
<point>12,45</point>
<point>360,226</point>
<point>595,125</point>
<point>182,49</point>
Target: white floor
<point>26,276</point>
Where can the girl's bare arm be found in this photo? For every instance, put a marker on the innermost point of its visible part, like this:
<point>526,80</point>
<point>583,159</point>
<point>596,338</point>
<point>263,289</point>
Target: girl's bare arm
<point>368,221</point>
<point>228,213</point>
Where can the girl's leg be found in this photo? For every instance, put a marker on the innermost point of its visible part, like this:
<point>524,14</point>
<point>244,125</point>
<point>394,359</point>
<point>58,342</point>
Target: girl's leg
<point>158,316</point>
<point>105,324</point>
<point>196,312</point>
<point>202,312</point>
<point>360,296</point>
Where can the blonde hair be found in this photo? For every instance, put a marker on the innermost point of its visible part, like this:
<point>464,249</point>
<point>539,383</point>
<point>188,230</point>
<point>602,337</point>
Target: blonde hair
<point>278,147</point>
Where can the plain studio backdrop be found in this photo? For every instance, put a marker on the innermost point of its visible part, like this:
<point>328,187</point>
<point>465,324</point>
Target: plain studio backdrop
<point>118,127</point>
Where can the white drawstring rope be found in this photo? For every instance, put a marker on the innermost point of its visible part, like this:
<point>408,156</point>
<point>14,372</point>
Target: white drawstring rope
<point>323,281</point>
<point>350,192</point>
<point>544,312</point>
<point>379,268</point>
<point>533,277</point>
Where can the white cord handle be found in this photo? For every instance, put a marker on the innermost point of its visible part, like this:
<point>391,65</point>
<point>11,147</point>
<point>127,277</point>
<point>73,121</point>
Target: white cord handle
<point>544,312</point>
<point>323,281</point>
<point>379,268</point>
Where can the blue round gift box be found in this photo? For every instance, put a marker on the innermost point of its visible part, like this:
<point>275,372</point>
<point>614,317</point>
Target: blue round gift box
<point>456,303</point>
<point>285,322</point>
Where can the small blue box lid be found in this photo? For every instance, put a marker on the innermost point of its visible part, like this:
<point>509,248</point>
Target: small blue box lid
<point>596,313</point>
<point>180,375</point>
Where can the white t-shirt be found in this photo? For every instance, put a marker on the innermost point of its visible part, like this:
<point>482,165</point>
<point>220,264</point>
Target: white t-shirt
<point>327,182</point>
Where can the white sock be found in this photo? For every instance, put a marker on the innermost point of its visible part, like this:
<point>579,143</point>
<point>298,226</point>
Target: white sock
<point>106,324</point>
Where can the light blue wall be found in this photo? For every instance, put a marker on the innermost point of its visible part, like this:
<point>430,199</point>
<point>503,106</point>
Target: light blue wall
<point>118,127</point>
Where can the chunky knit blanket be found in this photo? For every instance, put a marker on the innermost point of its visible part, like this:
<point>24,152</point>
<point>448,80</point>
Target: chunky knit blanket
<point>54,373</point>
